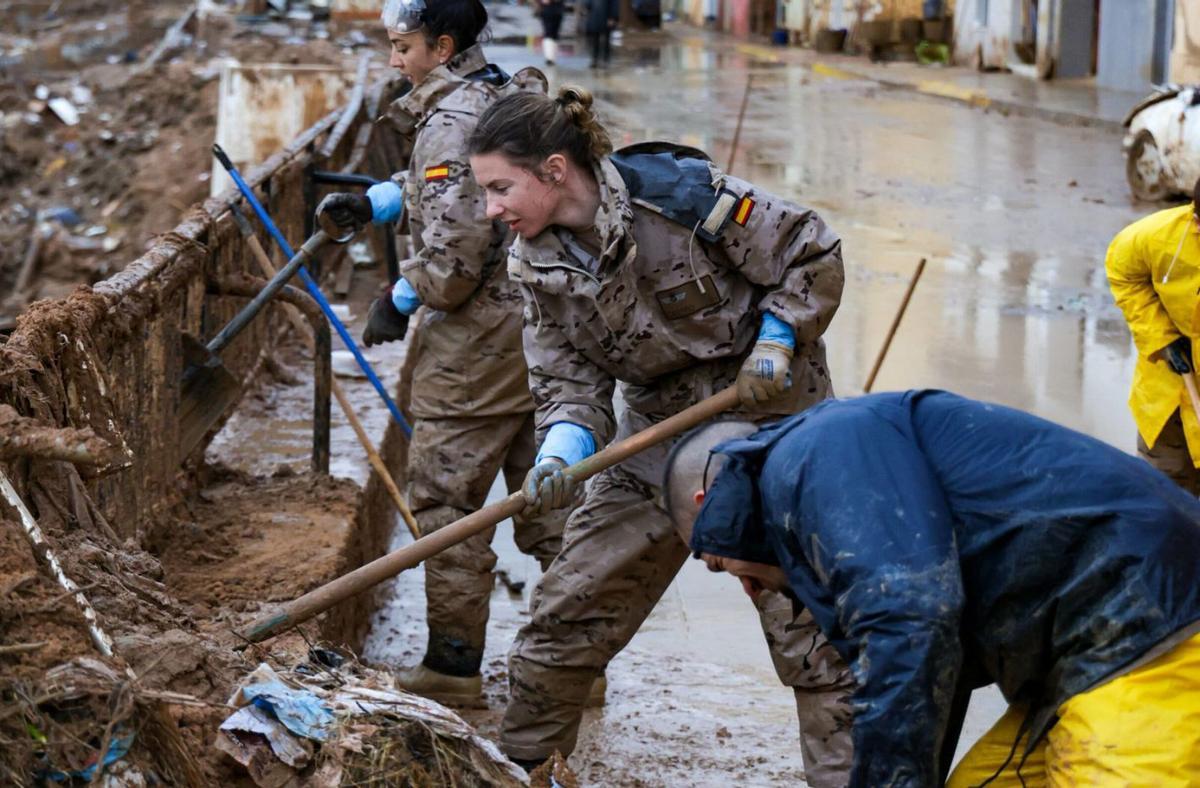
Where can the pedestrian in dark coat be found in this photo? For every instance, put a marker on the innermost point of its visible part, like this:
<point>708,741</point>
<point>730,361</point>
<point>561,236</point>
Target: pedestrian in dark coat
<point>943,544</point>
<point>601,19</point>
<point>551,12</point>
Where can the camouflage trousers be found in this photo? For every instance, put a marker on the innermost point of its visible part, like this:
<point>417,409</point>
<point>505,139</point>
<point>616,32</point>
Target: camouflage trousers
<point>1171,456</point>
<point>620,552</point>
<point>452,464</point>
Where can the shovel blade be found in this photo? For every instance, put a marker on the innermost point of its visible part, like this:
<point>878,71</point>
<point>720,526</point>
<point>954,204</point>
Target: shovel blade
<point>209,389</point>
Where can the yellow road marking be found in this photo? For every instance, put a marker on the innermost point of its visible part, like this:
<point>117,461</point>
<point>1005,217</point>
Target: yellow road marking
<point>827,70</point>
<point>950,90</point>
<point>756,51</point>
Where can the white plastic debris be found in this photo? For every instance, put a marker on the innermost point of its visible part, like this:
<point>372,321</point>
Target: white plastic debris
<point>64,109</point>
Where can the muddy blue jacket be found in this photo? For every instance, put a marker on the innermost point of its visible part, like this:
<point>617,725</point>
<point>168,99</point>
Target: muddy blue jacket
<point>940,541</point>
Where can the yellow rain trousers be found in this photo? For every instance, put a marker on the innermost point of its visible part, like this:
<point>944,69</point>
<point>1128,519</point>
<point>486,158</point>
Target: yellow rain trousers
<point>1153,268</point>
<point>1139,729</point>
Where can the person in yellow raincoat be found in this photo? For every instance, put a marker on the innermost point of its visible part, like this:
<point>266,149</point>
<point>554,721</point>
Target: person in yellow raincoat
<point>1153,268</point>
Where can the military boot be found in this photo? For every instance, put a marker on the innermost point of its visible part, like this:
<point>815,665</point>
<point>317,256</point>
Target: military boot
<point>449,673</point>
<point>595,698</point>
<point>466,691</point>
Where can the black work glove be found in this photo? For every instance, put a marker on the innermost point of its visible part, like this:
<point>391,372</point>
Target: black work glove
<point>347,210</point>
<point>385,323</point>
<point>1179,356</point>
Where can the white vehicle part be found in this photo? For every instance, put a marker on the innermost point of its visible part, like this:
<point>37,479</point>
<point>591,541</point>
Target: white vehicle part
<point>1174,126</point>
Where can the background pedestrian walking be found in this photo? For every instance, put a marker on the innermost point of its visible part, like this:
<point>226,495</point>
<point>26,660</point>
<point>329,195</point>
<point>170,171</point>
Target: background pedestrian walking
<point>551,12</point>
<point>600,20</point>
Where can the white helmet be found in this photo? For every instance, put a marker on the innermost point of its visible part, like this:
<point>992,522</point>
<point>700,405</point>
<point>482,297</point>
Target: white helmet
<point>403,16</point>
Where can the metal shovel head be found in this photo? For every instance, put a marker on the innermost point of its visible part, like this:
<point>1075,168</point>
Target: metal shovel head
<point>209,389</point>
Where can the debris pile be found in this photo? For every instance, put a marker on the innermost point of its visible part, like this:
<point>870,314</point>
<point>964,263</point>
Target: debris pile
<point>104,141</point>
<point>332,721</point>
<point>83,720</point>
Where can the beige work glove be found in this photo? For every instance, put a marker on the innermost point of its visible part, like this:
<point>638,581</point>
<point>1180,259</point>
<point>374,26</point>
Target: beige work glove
<point>548,487</point>
<point>765,374</point>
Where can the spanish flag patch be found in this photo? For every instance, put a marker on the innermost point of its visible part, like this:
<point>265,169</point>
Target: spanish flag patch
<point>742,214</point>
<point>438,173</point>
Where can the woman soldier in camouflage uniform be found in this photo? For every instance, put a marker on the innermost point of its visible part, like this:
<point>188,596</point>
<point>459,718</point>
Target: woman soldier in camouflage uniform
<point>470,390</point>
<point>651,271</point>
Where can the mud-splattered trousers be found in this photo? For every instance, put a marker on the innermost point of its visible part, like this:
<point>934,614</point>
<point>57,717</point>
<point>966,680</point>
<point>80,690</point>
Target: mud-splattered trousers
<point>470,392</point>
<point>453,464</point>
<point>640,320</point>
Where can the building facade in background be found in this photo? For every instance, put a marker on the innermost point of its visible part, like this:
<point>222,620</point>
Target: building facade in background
<point>1121,44</point>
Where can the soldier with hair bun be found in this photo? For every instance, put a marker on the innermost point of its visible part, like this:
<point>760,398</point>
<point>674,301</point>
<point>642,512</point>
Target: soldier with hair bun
<point>470,395</point>
<point>650,271</point>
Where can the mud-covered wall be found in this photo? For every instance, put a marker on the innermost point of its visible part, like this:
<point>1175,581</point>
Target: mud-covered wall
<point>110,358</point>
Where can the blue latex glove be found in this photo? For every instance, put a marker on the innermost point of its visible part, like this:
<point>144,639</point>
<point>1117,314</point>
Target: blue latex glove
<point>567,441</point>
<point>775,330</point>
<point>404,297</point>
<point>387,202</point>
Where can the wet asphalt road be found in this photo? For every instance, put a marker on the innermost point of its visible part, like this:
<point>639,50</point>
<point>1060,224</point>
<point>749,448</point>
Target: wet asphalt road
<point>1013,215</point>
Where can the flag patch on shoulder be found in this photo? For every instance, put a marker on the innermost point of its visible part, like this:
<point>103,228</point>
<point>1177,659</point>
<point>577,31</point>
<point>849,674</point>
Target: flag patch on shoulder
<point>438,173</point>
<point>744,209</point>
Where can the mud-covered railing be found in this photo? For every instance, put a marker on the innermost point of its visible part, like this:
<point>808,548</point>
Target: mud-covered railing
<point>108,360</point>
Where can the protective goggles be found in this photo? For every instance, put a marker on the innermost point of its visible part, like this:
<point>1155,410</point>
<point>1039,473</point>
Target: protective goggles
<point>403,16</point>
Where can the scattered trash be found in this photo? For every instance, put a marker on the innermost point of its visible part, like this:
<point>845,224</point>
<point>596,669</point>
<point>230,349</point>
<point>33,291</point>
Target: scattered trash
<point>345,366</point>
<point>347,724</point>
<point>86,721</point>
<point>361,254</point>
<point>514,587</point>
<point>554,773</point>
<point>62,214</point>
<point>930,54</point>
<point>299,711</point>
<point>118,748</point>
<point>81,95</point>
<point>64,110</point>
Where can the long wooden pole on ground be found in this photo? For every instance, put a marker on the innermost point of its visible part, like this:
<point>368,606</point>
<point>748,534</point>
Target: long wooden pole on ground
<point>321,599</point>
<point>887,342</point>
<point>303,329</point>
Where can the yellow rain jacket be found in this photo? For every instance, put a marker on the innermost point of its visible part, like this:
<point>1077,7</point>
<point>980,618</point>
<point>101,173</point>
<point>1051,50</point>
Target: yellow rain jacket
<point>1153,268</point>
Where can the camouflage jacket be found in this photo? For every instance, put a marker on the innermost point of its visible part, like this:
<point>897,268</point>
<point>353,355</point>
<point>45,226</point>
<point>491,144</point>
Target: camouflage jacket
<point>470,361</point>
<point>668,315</point>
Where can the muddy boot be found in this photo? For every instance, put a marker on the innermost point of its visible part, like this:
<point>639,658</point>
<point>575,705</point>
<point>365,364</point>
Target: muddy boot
<point>446,689</point>
<point>449,673</point>
<point>595,698</point>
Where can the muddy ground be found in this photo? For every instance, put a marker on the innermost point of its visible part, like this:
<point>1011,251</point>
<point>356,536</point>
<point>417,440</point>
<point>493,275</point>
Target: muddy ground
<point>83,200</point>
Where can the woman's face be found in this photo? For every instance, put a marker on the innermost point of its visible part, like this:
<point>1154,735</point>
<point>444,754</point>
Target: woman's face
<point>516,196</point>
<point>413,56</point>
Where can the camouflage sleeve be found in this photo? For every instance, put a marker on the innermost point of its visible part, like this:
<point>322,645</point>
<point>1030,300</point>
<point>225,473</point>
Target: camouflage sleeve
<point>790,251</point>
<point>450,210</point>
<point>566,386</point>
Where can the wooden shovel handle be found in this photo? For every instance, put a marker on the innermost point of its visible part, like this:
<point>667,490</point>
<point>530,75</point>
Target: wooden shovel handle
<point>321,599</point>
<point>1189,380</point>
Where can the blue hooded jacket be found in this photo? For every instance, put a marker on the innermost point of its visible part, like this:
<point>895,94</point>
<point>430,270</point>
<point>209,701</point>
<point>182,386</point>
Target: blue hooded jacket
<point>942,542</point>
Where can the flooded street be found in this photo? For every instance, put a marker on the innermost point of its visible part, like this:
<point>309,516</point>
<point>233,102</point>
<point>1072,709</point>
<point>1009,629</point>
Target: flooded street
<point>1013,215</point>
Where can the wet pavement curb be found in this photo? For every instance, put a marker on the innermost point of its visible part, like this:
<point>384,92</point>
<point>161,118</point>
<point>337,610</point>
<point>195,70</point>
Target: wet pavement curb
<point>935,88</point>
